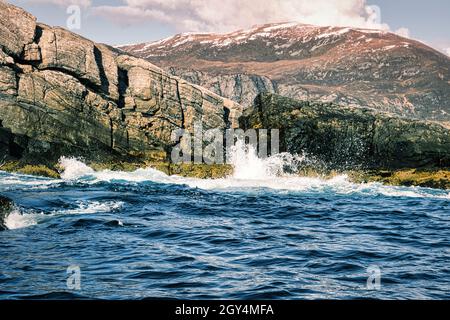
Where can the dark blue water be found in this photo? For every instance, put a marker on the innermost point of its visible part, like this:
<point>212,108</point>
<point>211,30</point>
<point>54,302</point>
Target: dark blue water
<point>143,235</point>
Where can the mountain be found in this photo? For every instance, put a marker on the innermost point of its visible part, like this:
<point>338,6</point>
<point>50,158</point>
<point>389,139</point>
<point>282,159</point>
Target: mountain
<point>347,66</point>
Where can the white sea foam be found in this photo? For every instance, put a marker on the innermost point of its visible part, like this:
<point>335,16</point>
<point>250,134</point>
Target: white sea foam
<point>87,207</point>
<point>18,218</point>
<point>14,180</point>
<point>251,173</point>
<point>74,168</point>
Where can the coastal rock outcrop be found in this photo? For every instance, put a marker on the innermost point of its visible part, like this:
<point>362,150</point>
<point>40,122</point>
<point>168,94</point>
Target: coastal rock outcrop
<point>349,137</point>
<point>6,206</point>
<point>62,94</point>
<point>68,52</point>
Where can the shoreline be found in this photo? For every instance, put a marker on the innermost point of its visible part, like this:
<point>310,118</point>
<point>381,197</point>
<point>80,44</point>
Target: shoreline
<point>436,178</point>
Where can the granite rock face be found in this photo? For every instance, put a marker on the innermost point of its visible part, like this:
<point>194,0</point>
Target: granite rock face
<point>61,94</point>
<point>68,52</point>
<point>17,29</point>
<point>346,137</point>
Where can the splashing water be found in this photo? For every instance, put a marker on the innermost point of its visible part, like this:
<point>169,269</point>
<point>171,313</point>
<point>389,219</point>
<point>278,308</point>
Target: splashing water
<point>74,168</point>
<point>17,220</point>
<point>249,166</point>
<point>278,172</point>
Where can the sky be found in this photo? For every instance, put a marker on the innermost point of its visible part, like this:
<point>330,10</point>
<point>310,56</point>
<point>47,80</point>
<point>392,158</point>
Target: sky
<point>131,21</point>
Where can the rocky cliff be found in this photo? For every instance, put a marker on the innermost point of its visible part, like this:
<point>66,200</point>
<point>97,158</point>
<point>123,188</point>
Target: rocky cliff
<point>61,94</point>
<point>64,95</point>
<point>350,137</point>
<point>346,66</point>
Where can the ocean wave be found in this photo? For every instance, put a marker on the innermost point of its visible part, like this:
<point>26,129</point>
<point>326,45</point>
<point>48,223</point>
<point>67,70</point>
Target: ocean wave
<point>18,220</point>
<point>10,181</point>
<point>251,173</point>
<point>22,218</point>
<point>339,185</point>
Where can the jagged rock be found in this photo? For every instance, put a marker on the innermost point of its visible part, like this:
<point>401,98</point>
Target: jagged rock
<point>346,137</point>
<point>52,89</point>
<point>17,29</point>
<point>5,59</point>
<point>164,102</point>
<point>8,81</point>
<point>154,96</point>
<point>6,206</point>
<point>68,114</point>
<point>68,52</point>
<point>24,68</point>
<point>32,52</point>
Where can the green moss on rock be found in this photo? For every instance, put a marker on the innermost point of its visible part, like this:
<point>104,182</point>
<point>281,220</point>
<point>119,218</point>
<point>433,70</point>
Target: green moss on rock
<point>30,169</point>
<point>427,178</point>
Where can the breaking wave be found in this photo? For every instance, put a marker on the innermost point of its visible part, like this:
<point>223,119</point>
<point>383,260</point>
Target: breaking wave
<point>18,220</point>
<point>278,173</point>
<point>22,218</point>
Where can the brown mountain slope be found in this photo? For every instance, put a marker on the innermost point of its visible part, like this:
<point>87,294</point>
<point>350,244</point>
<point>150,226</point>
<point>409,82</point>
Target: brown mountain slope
<point>354,67</point>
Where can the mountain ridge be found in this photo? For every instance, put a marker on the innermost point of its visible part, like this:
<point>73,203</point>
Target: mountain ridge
<point>328,64</point>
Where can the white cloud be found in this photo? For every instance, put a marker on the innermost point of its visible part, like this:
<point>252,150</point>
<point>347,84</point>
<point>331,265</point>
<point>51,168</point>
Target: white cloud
<point>440,45</point>
<point>403,32</point>
<point>129,15</point>
<point>61,3</point>
<point>230,15</point>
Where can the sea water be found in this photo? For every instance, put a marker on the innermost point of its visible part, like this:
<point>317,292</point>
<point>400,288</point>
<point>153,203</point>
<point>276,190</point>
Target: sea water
<point>258,234</point>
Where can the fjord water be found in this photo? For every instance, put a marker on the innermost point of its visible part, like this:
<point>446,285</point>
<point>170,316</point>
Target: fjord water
<point>256,235</point>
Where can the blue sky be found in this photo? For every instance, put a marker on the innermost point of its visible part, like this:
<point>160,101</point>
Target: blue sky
<point>131,21</point>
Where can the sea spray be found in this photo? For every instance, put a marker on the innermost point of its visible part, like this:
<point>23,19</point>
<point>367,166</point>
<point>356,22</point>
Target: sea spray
<point>18,220</point>
<point>73,168</point>
<point>249,166</point>
<point>279,173</point>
